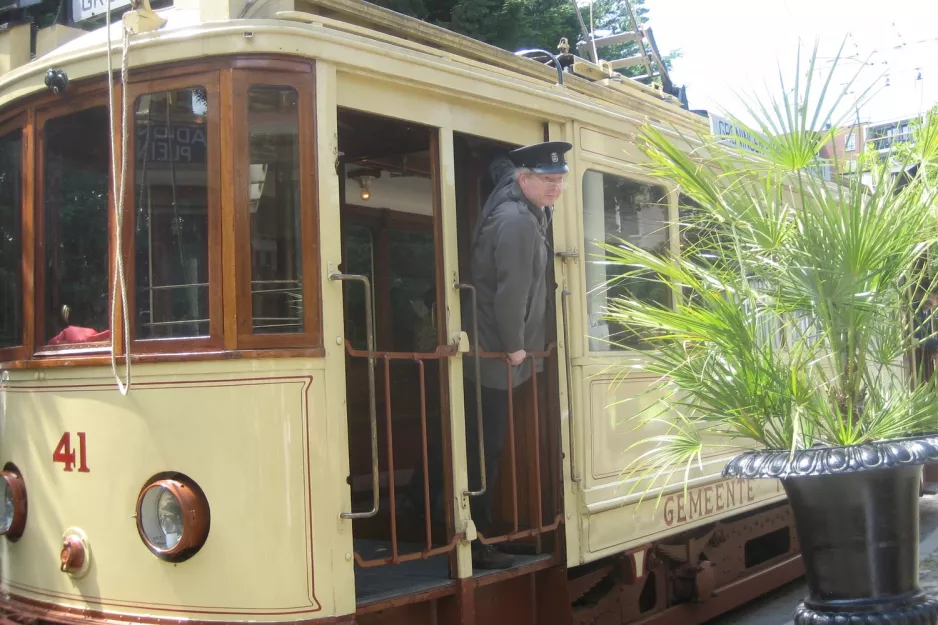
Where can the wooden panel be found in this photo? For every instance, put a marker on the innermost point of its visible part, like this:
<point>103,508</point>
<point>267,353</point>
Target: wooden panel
<point>29,235</point>
<point>229,215</point>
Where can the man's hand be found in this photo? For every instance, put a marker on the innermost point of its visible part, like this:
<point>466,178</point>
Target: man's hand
<point>516,358</point>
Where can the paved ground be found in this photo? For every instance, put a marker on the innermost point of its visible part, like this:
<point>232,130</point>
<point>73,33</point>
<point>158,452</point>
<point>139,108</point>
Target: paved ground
<point>776,608</point>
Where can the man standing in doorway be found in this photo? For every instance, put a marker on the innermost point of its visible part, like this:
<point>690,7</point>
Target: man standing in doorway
<point>510,253</point>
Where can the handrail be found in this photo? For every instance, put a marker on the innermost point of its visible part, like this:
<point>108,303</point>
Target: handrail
<point>564,295</point>
<point>478,369</point>
<point>553,57</point>
<point>373,412</point>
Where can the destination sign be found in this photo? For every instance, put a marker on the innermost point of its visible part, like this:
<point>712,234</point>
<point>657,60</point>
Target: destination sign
<point>731,134</point>
<point>83,10</point>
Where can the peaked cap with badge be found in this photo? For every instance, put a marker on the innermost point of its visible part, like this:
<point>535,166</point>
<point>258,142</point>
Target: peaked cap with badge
<point>542,158</point>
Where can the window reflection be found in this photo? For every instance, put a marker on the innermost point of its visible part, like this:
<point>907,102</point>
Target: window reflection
<point>75,198</point>
<point>274,204</point>
<point>11,180</point>
<point>617,209</point>
<point>171,208</point>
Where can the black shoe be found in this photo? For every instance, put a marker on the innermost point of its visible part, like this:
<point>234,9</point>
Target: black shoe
<point>488,557</point>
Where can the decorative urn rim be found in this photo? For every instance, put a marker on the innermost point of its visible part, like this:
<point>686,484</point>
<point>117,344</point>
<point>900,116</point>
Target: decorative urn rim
<point>782,464</point>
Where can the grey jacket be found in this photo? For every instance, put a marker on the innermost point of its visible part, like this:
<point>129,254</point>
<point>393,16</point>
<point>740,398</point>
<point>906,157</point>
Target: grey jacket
<point>508,269</point>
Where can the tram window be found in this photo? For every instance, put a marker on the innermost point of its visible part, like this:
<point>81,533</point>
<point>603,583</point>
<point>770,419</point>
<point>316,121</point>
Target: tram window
<point>75,197</point>
<point>171,209</point>
<point>617,209</point>
<point>274,203</point>
<point>11,180</point>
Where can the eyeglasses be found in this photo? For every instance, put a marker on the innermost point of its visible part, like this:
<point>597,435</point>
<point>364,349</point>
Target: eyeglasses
<point>552,184</point>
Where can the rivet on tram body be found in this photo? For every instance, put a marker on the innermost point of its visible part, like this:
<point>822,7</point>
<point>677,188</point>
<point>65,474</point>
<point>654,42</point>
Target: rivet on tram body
<point>338,340</point>
<point>348,556</point>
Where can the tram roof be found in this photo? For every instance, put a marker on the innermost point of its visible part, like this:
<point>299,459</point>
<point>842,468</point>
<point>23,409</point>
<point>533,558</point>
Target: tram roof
<point>363,19</point>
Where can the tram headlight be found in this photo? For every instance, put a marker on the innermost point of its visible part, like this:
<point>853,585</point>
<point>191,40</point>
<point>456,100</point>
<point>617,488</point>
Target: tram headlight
<point>12,504</point>
<point>173,517</point>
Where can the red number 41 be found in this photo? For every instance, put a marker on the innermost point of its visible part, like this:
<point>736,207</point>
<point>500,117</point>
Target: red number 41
<point>66,455</point>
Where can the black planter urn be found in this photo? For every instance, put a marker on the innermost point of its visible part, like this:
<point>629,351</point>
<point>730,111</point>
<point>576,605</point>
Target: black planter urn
<point>856,513</point>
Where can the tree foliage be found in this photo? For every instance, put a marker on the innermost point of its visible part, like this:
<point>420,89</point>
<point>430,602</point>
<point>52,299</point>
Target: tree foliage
<point>519,24</point>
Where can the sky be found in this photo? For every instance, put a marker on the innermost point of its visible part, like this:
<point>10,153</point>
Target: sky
<point>735,47</point>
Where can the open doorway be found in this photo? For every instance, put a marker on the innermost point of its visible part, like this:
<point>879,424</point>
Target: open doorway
<point>389,193</point>
<point>390,219</point>
<point>526,494</point>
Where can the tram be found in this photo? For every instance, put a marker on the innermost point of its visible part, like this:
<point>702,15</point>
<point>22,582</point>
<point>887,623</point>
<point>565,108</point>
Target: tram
<point>231,327</point>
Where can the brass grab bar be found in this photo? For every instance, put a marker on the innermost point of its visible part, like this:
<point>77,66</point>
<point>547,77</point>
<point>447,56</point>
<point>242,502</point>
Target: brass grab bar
<point>373,413</point>
<point>475,350</point>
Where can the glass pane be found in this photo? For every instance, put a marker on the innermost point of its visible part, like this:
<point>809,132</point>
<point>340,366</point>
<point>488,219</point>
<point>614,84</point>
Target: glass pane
<point>359,259</point>
<point>274,204</point>
<point>171,208</point>
<point>11,181</point>
<point>412,269</point>
<point>616,209</point>
<point>75,194</point>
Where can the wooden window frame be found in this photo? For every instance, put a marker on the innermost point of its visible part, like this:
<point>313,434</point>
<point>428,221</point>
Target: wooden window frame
<point>228,211</point>
<point>21,122</point>
<point>39,345</point>
<point>211,83</point>
<point>303,81</point>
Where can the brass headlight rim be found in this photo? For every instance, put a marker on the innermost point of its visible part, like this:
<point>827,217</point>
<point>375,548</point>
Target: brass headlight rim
<point>195,516</point>
<point>17,485</point>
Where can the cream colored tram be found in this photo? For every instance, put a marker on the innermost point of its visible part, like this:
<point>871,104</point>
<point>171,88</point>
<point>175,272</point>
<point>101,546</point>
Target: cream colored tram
<point>300,184</point>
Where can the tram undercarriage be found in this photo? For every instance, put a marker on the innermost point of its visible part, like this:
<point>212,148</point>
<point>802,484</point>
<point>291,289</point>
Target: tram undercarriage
<point>737,561</point>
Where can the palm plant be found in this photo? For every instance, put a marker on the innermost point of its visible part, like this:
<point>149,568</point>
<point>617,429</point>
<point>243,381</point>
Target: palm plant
<point>798,302</point>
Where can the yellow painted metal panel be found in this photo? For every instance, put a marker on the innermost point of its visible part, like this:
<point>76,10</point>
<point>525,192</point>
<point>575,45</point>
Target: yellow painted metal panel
<point>610,146</point>
<point>634,524</point>
<point>401,100</point>
<point>254,438</point>
<point>620,502</point>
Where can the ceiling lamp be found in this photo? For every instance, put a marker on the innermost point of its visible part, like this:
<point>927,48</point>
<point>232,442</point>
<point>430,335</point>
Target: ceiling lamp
<point>364,177</point>
<point>365,183</point>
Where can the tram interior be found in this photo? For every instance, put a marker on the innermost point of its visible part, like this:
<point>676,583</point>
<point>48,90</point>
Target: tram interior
<point>389,234</point>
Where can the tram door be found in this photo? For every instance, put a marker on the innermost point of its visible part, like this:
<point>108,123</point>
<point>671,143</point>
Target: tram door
<point>394,289</point>
<point>526,486</point>
<point>392,295</point>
